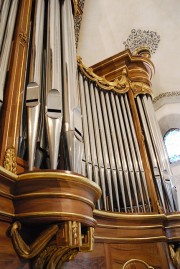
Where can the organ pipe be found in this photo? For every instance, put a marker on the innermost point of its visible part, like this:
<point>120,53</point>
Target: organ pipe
<point>97,126</point>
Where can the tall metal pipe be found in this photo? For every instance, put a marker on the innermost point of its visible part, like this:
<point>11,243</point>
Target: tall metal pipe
<point>72,109</point>
<point>33,91</point>
<point>6,47</point>
<point>54,110</point>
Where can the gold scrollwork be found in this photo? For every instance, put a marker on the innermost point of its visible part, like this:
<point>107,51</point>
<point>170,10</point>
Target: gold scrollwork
<point>29,252</point>
<point>10,163</point>
<point>55,245</point>
<point>120,86</point>
<point>140,88</point>
<point>175,255</point>
<point>136,262</point>
<point>53,257</point>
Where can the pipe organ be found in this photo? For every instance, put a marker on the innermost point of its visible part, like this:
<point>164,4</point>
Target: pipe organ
<point>70,134</point>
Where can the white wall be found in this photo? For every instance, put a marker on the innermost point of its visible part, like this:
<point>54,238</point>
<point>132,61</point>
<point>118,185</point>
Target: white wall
<point>168,116</point>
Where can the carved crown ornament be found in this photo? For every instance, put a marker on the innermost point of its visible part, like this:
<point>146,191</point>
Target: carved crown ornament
<point>121,85</point>
<point>140,40</point>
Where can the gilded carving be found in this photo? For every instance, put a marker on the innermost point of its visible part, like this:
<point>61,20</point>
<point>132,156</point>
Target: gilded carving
<point>23,38</point>
<point>53,257</point>
<point>140,88</point>
<point>55,245</point>
<point>30,251</point>
<point>121,85</point>
<point>175,255</point>
<point>10,160</point>
<point>78,11</point>
<point>136,262</point>
<point>77,8</point>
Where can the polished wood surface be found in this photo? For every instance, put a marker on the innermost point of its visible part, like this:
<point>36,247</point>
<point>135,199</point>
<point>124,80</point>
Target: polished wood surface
<point>10,116</point>
<point>118,237</point>
<point>139,68</point>
<point>114,256</point>
<point>143,151</point>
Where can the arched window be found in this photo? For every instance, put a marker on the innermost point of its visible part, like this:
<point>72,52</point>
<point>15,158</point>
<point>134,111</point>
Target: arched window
<point>172,144</point>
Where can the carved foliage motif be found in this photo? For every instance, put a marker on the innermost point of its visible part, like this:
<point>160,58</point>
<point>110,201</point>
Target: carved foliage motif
<point>118,85</point>
<point>140,88</point>
<point>53,257</point>
<point>10,160</point>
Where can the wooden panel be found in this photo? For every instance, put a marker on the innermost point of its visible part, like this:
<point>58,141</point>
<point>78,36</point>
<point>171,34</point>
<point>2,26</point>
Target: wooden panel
<point>9,129</point>
<point>92,260</point>
<point>121,253</point>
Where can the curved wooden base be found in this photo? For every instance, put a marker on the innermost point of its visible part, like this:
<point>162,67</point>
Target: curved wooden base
<point>118,237</point>
<point>54,196</point>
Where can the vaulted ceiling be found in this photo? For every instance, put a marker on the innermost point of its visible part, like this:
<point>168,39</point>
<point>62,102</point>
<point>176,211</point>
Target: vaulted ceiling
<point>106,24</point>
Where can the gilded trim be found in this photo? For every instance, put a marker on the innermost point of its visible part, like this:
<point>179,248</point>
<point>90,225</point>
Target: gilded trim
<point>61,177</point>
<point>55,195</point>
<point>6,195</point>
<point>173,216</point>
<point>29,252</point>
<point>59,215</point>
<point>130,227</point>
<point>129,216</point>
<point>132,238</point>
<point>174,238</point>
<point>140,88</point>
<point>172,227</point>
<point>132,59</point>
<point>8,174</point>
<point>175,255</point>
<point>77,8</point>
<point>118,85</point>
<point>137,260</point>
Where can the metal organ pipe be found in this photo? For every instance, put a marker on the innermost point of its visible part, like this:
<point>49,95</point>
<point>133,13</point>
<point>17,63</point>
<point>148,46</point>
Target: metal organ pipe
<point>72,110</point>
<point>33,91</point>
<point>109,136</point>
<point>6,36</point>
<point>157,152</point>
<point>139,170</point>
<point>3,18</point>
<point>54,111</point>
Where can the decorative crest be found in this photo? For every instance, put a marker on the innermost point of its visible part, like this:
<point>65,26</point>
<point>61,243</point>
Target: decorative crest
<point>10,160</point>
<point>140,40</point>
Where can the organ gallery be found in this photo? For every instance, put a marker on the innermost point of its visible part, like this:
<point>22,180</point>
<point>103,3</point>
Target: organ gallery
<point>85,181</point>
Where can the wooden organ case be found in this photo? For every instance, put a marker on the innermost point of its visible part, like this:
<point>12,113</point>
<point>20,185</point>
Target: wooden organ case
<point>84,178</point>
